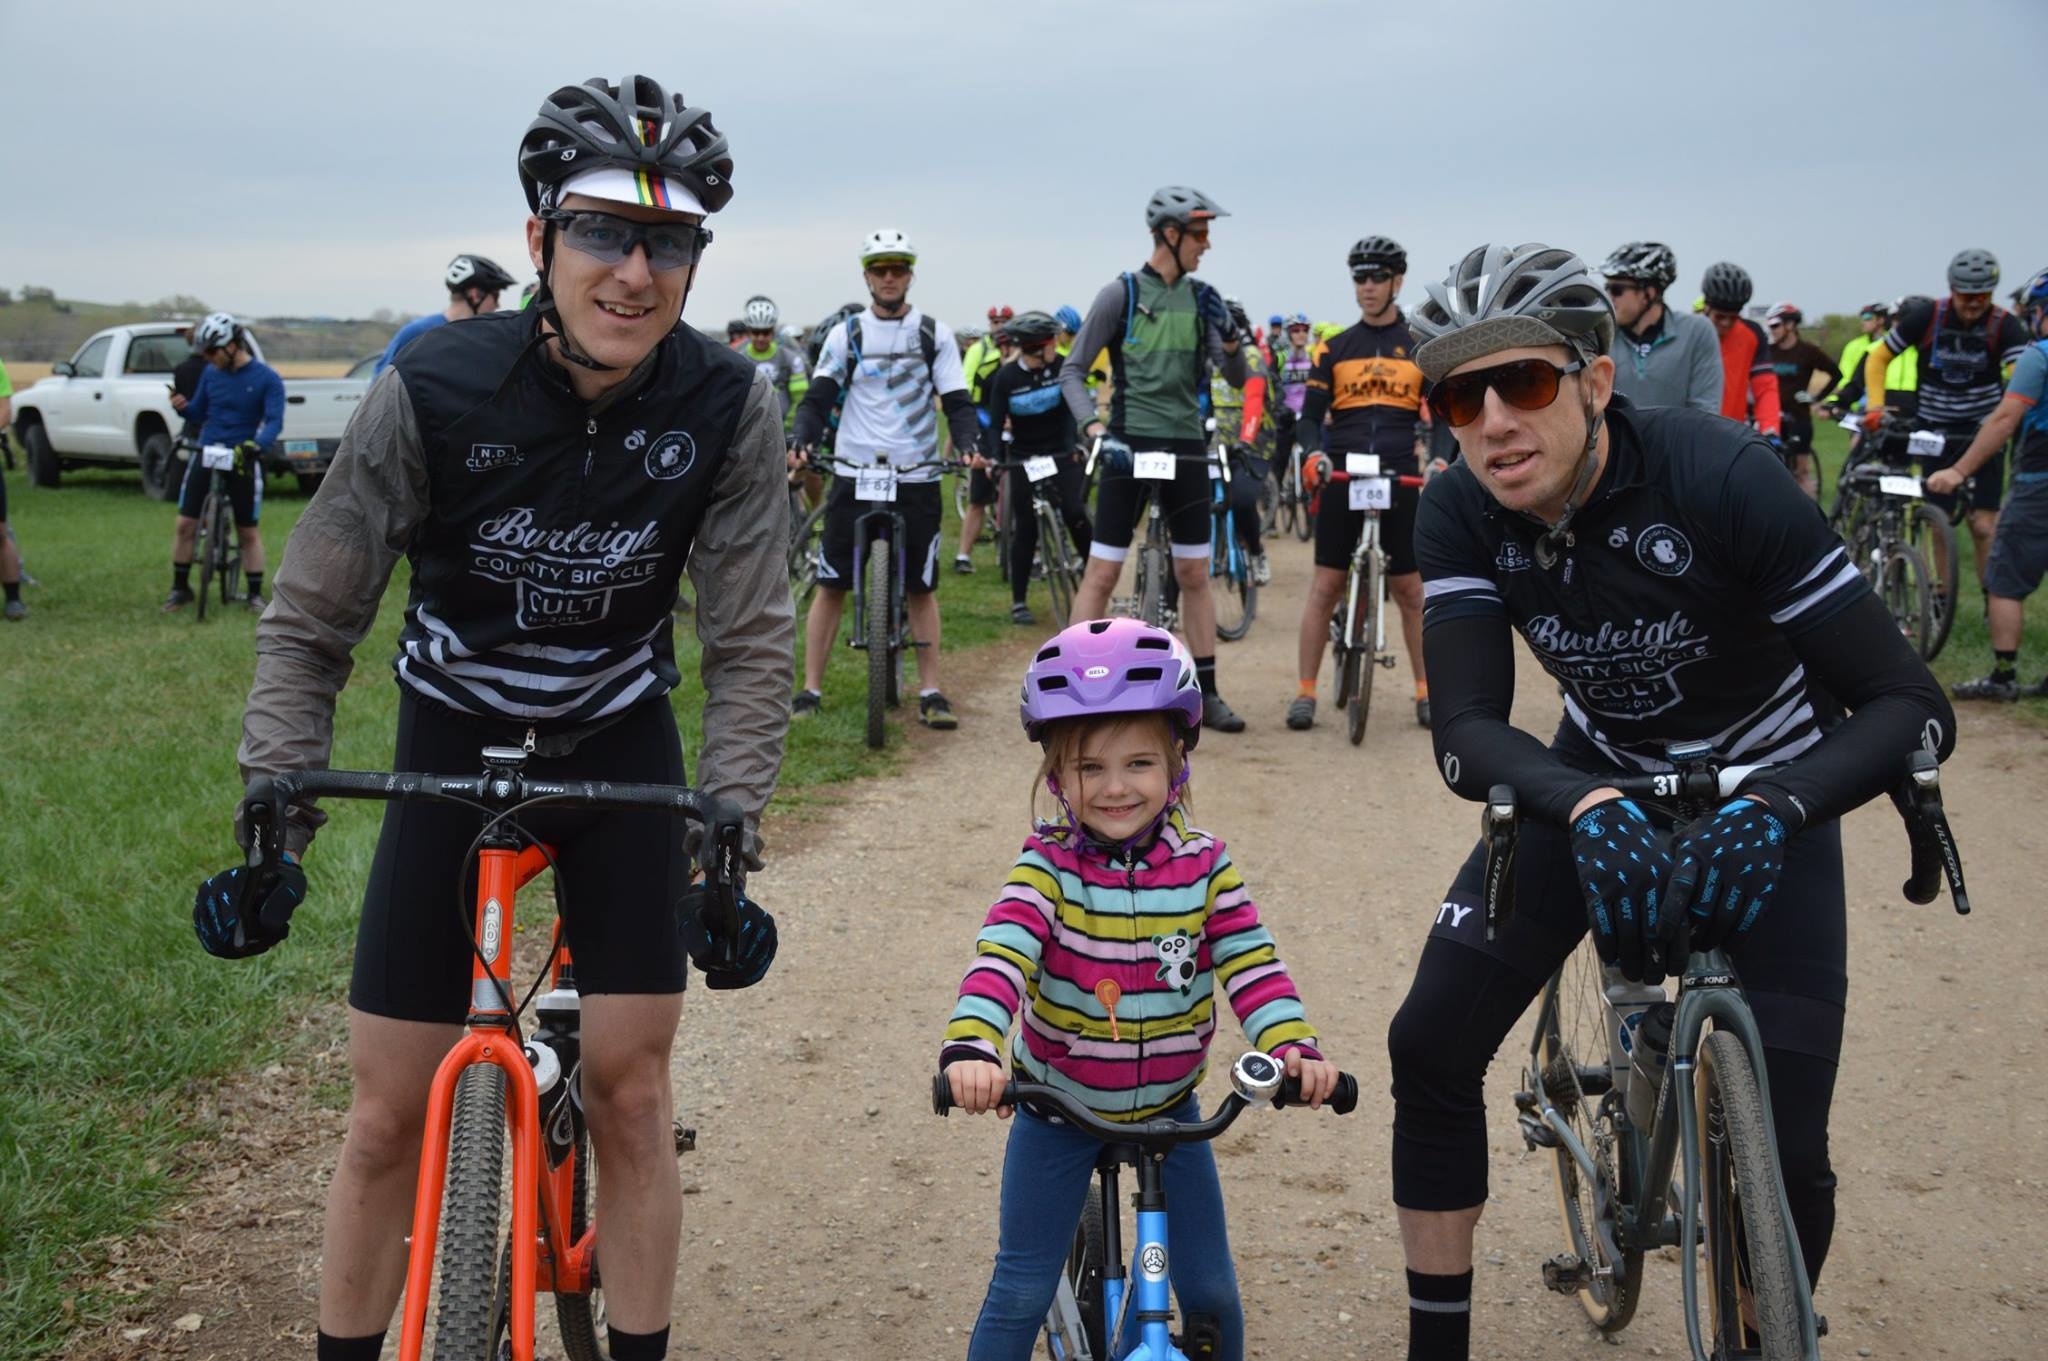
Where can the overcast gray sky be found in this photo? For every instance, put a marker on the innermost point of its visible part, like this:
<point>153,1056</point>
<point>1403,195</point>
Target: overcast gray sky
<point>329,159</point>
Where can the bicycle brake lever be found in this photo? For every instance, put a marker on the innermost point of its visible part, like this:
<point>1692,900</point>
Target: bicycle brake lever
<point>1497,827</point>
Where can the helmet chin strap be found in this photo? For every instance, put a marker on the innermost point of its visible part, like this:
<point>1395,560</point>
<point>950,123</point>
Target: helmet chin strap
<point>1555,537</point>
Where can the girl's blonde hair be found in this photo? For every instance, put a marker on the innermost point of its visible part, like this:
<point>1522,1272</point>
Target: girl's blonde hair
<point>1065,738</point>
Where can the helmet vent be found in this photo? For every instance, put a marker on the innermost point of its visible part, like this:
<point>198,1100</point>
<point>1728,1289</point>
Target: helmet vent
<point>1143,673</point>
<point>1046,654</point>
<point>1052,682</point>
<point>1155,643</point>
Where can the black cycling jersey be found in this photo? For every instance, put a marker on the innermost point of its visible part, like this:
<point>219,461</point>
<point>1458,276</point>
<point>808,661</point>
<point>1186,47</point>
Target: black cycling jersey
<point>544,578</point>
<point>1961,367</point>
<point>1040,422</point>
<point>1366,378</point>
<point>1700,596</point>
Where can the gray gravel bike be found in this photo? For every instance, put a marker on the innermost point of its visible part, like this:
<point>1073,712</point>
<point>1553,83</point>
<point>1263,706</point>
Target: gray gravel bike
<point>1613,1152</point>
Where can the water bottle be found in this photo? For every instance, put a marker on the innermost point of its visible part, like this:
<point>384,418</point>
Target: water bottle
<point>556,1051</point>
<point>1626,1002</point>
<point>1646,1062</point>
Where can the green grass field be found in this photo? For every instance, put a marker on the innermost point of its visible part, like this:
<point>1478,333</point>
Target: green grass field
<point>117,785</point>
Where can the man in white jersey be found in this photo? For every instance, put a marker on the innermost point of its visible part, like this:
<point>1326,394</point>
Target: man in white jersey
<point>877,377</point>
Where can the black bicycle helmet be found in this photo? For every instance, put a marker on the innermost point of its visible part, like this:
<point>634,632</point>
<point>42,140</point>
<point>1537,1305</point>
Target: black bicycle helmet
<point>1031,328</point>
<point>1377,252</point>
<point>1726,287</point>
<point>1973,271</point>
<point>633,126</point>
<point>1644,262</point>
<point>1177,205</point>
<point>476,271</point>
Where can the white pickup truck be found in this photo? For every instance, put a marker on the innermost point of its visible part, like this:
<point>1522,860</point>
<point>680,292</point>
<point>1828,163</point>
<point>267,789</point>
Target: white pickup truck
<point>109,406</point>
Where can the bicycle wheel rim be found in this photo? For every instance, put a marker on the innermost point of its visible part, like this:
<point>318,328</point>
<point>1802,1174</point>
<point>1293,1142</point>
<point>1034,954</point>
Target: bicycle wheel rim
<point>1904,588</point>
<point>582,1317</point>
<point>1747,1241</point>
<point>1571,1057</point>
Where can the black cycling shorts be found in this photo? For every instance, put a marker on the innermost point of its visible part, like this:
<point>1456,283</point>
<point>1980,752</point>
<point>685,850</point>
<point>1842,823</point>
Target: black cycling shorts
<point>919,503</point>
<point>981,488</point>
<point>1338,528</point>
<point>1797,439</point>
<point>1987,487</point>
<point>1468,994</point>
<point>245,491</point>
<point>623,871</point>
<point>1121,499</point>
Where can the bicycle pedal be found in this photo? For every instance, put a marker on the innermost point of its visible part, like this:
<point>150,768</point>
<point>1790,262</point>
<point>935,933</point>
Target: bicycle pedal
<point>1567,1274</point>
<point>1386,660</point>
<point>686,1138</point>
<point>1820,1325</point>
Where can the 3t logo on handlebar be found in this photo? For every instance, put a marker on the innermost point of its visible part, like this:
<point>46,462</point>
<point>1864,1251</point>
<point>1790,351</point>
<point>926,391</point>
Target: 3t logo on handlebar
<point>1666,787</point>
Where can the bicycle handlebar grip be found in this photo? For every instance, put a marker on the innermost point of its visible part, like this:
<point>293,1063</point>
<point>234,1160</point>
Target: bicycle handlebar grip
<point>942,1094</point>
<point>1923,881</point>
<point>1343,1100</point>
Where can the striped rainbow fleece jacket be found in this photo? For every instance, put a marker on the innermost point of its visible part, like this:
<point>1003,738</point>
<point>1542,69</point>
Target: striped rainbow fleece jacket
<point>1075,925</point>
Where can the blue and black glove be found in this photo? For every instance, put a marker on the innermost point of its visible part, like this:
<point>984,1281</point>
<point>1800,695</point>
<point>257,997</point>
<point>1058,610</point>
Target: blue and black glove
<point>242,911</point>
<point>1623,863</point>
<point>1114,456</point>
<point>1209,304</point>
<point>1727,868</point>
<point>752,936</point>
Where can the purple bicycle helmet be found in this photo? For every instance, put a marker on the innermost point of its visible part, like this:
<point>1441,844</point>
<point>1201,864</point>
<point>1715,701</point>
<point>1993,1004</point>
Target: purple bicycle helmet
<point>1111,666</point>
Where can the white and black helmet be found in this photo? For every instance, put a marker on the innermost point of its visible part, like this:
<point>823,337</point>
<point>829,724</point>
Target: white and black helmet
<point>1377,252</point>
<point>760,313</point>
<point>1644,262</point>
<point>1726,287</point>
<point>1973,271</point>
<point>887,244</point>
<point>476,271</point>
<point>1502,297</point>
<point>634,126</point>
<point>1177,205</point>
<point>215,331</point>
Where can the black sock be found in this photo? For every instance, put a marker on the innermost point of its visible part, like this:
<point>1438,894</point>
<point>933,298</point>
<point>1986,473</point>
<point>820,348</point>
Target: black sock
<point>1439,1317</point>
<point>255,584</point>
<point>2005,666</point>
<point>13,589</point>
<point>181,576</point>
<point>627,1346</point>
<point>1205,673</point>
<point>327,1348</point>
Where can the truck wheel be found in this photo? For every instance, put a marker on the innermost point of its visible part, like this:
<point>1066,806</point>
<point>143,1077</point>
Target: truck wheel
<point>159,467</point>
<point>43,467</point>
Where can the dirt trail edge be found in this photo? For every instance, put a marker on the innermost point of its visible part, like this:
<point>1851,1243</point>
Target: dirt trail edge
<point>829,1213</point>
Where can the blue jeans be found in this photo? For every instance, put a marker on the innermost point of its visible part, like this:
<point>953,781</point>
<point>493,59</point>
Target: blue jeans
<point>1046,1181</point>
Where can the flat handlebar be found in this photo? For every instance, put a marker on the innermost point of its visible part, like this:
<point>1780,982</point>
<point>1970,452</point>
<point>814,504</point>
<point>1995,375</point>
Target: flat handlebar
<point>1157,1132</point>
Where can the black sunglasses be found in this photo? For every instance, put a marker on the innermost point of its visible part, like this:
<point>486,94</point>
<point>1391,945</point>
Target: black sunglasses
<point>1372,276</point>
<point>1524,384</point>
<point>610,238</point>
<point>1621,288</point>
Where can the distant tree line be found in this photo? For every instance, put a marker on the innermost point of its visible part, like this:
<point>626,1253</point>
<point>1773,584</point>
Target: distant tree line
<point>36,326</point>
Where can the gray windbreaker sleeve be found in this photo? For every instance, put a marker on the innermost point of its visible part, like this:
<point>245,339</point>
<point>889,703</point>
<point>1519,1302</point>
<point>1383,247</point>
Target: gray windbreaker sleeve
<point>325,593</point>
<point>745,621</point>
<point>1105,316</point>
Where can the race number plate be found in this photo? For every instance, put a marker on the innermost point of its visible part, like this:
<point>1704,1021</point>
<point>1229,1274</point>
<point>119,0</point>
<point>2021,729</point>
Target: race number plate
<point>1852,424</point>
<point>1372,493</point>
<point>1926,443</point>
<point>217,458</point>
<point>1898,484</point>
<point>874,484</point>
<point>1362,465</point>
<point>1216,466</point>
<point>1158,464</point>
<point>1039,468</point>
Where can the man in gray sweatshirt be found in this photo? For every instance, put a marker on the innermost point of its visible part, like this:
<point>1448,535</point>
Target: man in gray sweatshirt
<point>1661,357</point>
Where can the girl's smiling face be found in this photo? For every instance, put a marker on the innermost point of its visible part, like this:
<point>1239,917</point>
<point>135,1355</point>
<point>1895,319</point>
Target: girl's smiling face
<point>1118,778</point>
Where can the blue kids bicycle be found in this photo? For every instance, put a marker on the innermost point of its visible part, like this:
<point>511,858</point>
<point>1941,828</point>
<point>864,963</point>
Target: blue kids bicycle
<point>1094,1302</point>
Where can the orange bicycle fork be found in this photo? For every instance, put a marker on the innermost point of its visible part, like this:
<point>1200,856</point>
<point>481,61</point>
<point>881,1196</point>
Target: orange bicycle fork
<point>500,873</point>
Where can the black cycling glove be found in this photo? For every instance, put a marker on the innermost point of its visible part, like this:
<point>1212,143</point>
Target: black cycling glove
<point>1209,304</point>
<point>1623,863</point>
<point>1727,869</point>
<point>753,937</point>
<point>242,911</point>
<point>1239,320</point>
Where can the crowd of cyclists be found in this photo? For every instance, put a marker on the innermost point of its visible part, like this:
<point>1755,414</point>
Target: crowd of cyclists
<point>1624,484</point>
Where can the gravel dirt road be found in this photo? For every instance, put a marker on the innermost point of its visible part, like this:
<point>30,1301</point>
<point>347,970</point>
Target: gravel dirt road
<point>830,1214</point>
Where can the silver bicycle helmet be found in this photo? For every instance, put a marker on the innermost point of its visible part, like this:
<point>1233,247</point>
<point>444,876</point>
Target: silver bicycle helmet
<point>1501,297</point>
<point>1177,205</point>
<point>217,330</point>
<point>1973,271</point>
<point>760,313</point>
<point>476,271</point>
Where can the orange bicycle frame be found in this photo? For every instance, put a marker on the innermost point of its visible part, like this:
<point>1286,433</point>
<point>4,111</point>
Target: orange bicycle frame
<point>547,1260</point>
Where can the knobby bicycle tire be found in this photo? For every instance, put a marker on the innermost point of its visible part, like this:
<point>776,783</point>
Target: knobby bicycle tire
<point>1061,572</point>
<point>1269,505</point>
<point>1907,594</point>
<point>466,1292</point>
<point>1748,1242</point>
<point>230,551</point>
<point>880,663</point>
<point>206,551</point>
<point>581,1317</point>
<point>1934,535</point>
<point>1230,579</point>
<point>1368,664</point>
<point>1153,565</point>
<point>1084,1274</point>
<point>1570,1070</point>
<point>1305,520</point>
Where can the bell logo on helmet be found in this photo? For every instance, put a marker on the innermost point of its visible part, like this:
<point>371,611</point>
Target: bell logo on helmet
<point>1096,672</point>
